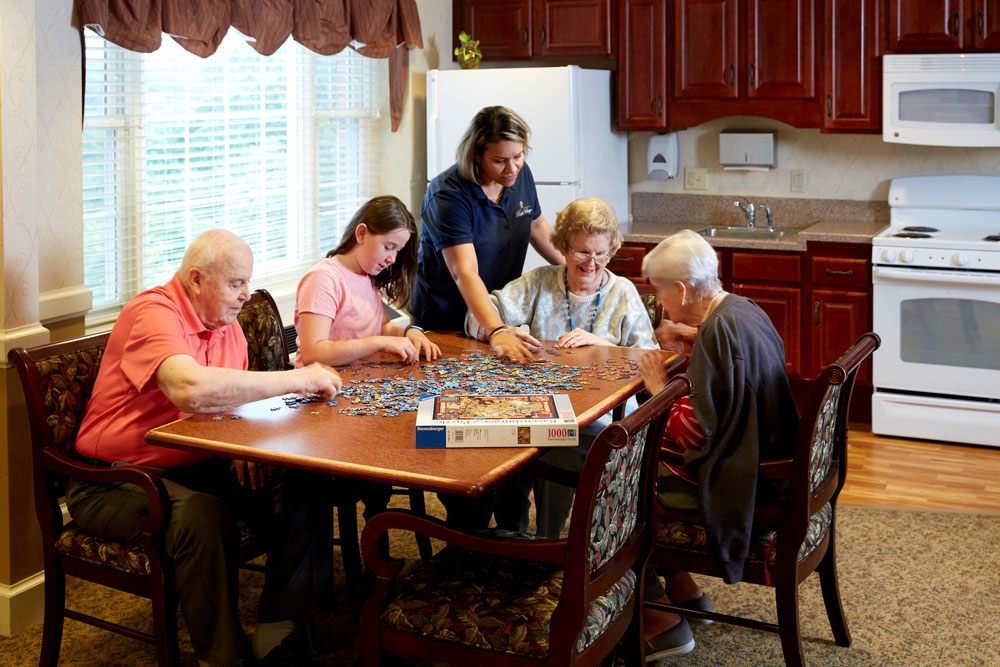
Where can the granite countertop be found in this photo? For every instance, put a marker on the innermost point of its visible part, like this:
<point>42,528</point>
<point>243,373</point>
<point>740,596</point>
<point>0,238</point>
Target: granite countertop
<point>656,216</point>
<point>832,231</point>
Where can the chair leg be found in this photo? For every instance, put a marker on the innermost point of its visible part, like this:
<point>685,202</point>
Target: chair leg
<point>831,595</point>
<point>55,605</point>
<point>164,603</point>
<point>417,506</point>
<point>786,595</point>
<point>350,550</point>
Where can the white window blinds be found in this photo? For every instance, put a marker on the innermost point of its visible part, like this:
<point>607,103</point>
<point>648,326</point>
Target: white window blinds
<point>280,150</point>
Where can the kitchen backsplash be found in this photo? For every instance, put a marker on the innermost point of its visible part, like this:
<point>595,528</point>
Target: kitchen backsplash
<point>700,210</point>
<point>835,166</point>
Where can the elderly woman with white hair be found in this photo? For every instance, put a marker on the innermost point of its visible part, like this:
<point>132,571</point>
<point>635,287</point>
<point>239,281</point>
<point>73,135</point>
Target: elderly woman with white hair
<point>739,411</point>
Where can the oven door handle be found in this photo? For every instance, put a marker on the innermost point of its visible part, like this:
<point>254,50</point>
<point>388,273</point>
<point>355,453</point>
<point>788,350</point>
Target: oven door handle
<point>934,278</point>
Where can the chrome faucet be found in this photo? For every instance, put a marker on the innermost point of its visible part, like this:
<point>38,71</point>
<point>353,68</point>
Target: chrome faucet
<point>747,207</point>
<point>770,220</point>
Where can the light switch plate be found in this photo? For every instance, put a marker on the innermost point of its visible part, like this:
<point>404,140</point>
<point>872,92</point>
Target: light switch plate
<point>798,181</point>
<point>695,178</point>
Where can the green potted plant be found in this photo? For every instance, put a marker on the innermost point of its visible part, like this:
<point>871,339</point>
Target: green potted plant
<point>468,53</point>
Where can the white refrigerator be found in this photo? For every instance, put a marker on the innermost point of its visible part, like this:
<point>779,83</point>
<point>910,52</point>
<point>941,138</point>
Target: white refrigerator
<point>574,152</point>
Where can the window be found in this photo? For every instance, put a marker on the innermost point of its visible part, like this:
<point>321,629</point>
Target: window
<point>279,150</point>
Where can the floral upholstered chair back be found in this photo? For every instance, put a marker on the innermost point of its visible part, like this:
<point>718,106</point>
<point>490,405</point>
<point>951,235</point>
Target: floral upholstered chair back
<point>265,334</point>
<point>824,437</point>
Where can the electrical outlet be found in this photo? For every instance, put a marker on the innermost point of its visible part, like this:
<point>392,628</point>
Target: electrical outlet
<point>798,180</point>
<point>695,178</point>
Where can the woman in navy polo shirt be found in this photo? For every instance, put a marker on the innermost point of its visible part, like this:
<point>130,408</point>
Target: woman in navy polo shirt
<point>478,217</point>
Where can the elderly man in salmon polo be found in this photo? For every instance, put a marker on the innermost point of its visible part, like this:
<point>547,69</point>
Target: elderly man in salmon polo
<point>176,349</point>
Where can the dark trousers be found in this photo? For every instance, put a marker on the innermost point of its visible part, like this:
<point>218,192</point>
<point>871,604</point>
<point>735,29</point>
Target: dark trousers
<point>291,514</point>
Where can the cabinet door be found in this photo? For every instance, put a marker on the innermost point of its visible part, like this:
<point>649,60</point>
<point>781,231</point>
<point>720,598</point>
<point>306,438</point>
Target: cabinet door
<point>838,318</point>
<point>925,25</point>
<point>572,28</point>
<point>987,24</point>
<point>783,306</point>
<point>705,48</point>
<point>642,65</point>
<point>503,27</point>
<point>781,54</point>
<point>852,73</point>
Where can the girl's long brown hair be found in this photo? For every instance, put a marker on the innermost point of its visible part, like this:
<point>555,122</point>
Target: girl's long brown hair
<point>383,215</point>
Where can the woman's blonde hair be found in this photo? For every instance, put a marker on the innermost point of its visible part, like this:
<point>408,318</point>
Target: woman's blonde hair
<point>490,125</point>
<point>685,256</point>
<point>591,215</point>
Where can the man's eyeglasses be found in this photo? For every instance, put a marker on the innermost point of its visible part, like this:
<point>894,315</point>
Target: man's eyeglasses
<point>583,256</point>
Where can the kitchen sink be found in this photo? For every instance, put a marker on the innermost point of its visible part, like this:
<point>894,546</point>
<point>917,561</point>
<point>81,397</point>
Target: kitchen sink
<point>744,233</point>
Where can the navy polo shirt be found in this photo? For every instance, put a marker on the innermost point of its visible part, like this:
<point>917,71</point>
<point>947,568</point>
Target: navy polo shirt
<point>455,211</point>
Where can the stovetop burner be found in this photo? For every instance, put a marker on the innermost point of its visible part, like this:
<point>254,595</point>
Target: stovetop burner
<point>992,237</point>
<point>911,235</point>
<point>919,228</point>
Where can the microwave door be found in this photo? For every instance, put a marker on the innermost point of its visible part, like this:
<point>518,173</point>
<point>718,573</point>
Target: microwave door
<point>941,113</point>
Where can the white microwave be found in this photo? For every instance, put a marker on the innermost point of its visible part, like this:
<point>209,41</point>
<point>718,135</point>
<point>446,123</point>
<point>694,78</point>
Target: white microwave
<point>941,99</point>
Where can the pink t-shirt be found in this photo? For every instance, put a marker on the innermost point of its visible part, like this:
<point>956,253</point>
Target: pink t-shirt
<point>352,301</point>
<point>127,402</point>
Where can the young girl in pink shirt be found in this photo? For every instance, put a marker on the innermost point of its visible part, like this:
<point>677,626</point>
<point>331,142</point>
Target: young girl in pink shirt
<point>338,306</point>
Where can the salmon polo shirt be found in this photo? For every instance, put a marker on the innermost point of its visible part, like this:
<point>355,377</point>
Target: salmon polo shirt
<point>127,402</point>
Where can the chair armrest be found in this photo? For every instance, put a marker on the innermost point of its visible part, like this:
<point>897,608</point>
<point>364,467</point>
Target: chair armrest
<point>775,469</point>
<point>545,550</point>
<point>145,479</point>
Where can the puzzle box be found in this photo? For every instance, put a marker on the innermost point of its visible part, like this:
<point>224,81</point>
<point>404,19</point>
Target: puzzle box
<point>515,420</point>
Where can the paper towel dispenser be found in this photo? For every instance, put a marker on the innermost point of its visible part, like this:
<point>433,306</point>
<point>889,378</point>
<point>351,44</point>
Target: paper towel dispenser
<point>746,150</point>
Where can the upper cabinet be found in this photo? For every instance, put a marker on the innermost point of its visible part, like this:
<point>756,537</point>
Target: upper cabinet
<point>514,29</point>
<point>852,72</point>
<point>915,26</point>
<point>642,65</point>
<point>744,57</point>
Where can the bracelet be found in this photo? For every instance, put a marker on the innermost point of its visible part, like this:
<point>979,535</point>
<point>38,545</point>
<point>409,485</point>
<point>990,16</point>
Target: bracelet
<point>413,327</point>
<point>502,327</point>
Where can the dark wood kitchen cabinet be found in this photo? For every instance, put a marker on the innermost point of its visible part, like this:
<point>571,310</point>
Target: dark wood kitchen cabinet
<point>517,29</point>
<point>916,26</point>
<point>641,79</point>
<point>744,57</point>
<point>852,72</point>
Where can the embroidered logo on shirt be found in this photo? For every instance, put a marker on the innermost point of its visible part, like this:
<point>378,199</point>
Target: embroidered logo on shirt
<point>522,209</point>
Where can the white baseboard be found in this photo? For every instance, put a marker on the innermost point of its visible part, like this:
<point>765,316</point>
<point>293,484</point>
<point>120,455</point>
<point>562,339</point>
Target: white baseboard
<point>22,604</point>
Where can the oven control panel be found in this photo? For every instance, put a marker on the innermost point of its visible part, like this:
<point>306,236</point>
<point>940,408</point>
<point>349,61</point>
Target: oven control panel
<point>937,258</point>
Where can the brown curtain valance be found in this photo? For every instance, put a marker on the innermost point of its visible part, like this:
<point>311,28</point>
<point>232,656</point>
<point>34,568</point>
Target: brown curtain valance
<point>374,28</point>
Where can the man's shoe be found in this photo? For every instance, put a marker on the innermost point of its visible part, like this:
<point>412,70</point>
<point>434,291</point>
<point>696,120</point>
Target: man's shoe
<point>700,603</point>
<point>291,652</point>
<point>678,640</point>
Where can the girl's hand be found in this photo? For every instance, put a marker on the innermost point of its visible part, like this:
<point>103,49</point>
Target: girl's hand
<point>423,344</point>
<point>400,346</point>
<point>675,337</point>
<point>580,338</point>
<point>653,368</point>
<point>516,345</point>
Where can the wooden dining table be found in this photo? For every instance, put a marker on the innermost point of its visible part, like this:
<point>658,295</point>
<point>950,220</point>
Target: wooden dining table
<point>318,437</point>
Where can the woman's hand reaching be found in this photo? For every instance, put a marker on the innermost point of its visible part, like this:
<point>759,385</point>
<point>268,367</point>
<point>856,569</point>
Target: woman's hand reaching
<point>580,338</point>
<point>514,344</point>
<point>675,337</point>
<point>653,368</point>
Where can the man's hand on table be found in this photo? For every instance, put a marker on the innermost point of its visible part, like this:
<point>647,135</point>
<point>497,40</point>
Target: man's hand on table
<point>319,379</point>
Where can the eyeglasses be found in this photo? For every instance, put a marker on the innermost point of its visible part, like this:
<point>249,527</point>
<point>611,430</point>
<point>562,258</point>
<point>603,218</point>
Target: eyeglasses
<point>583,256</point>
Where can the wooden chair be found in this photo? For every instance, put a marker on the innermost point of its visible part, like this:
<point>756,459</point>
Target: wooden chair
<point>793,534</point>
<point>58,380</point>
<point>267,348</point>
<point>493,599</point>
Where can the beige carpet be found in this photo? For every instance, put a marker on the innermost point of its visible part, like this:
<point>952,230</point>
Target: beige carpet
<point>920,588</point>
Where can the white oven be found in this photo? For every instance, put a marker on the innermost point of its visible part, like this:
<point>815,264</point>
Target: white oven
<point>936,286</point>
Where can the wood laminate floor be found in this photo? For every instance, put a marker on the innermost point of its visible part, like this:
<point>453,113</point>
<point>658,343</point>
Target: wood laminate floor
<point>893,472</point>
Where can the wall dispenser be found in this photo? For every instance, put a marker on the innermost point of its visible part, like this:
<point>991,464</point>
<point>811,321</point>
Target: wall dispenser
<point>663,156</point>
<point>753,151</point>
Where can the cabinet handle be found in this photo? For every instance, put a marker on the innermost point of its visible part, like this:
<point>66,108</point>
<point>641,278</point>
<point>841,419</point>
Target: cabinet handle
<point>981,25</point>
<point>815,313</point>
<point>829,105</point>
<point>955,23</point>
<point>543,34</point>
<point>751,71</point>
<point>732,75</point>
<point>623,259</point>
<point>524,35</point>
<point>659,105</point>
<point>836,272</point>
